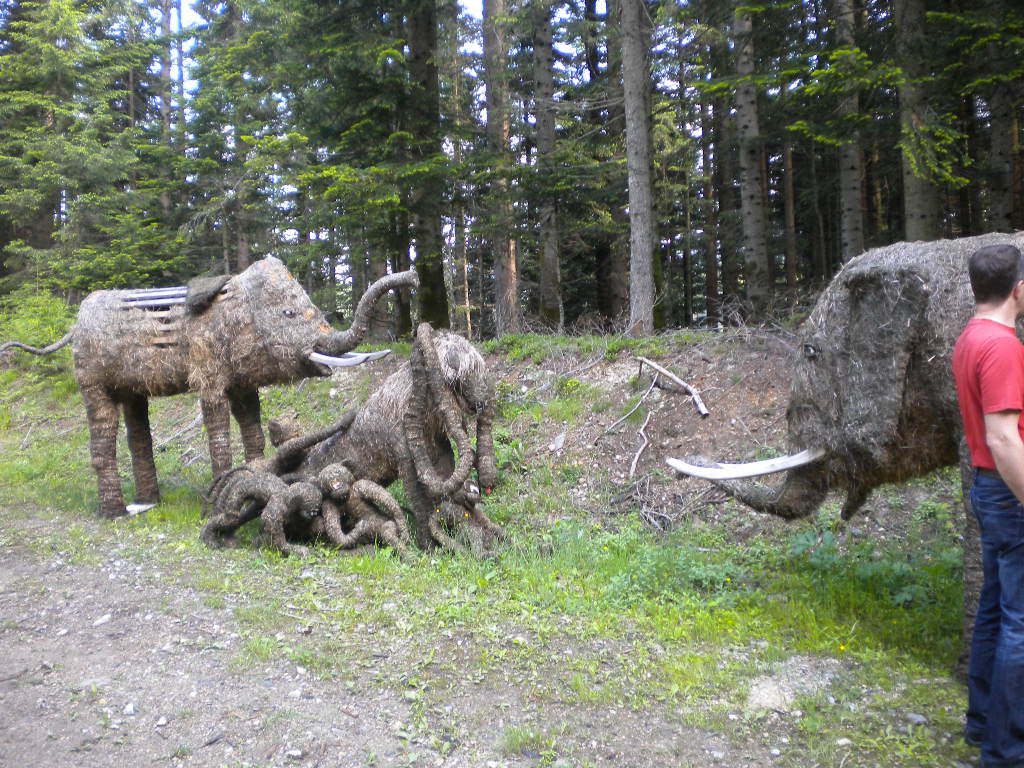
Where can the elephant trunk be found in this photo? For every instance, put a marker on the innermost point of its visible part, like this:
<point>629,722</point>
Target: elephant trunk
<point>802,491</point>
<point>429,393</point>
<point>339,342</point>
<point>799,495</point>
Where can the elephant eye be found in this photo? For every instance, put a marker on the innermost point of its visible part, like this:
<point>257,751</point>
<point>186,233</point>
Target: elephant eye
<point>810,351</point>
<point>289,313</point>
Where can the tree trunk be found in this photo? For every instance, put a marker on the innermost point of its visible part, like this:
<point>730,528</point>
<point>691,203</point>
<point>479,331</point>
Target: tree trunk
<point>166,6</point>
<point>755,244</point>
<point>789,206</point>
<point>379,327</point>
<point>1001,121</point>
<point>921,202</point>
<point>398,253</point>
<point>428,198</point>
<point>969,207</point>
<point>711,307</point>
<point>635,35</point>
<point>551,311</point>
<point>508,316</point>
<point>851,162</point>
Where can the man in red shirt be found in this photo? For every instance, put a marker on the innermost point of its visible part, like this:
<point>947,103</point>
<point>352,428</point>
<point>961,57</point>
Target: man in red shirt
<point>988,364</point>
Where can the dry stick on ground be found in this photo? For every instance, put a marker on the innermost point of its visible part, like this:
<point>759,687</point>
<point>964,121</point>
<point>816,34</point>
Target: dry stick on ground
<point>701,408</point>
<point>636,458</point>
<point>194,424</point>
<point>630,413</point>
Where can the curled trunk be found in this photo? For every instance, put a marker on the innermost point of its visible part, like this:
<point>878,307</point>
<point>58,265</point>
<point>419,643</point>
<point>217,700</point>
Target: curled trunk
<point>342,341</point>
<point>430,395</point>
<point>799,495</point>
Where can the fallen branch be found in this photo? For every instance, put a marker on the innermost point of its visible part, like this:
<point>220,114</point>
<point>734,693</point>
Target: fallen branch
<point>701,408</point>
<point>190,426</point>
<point>636,458</point>
<point>629,413</point>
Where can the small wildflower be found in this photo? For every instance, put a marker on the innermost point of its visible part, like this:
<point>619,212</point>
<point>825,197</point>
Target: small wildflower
<point>842,647</point>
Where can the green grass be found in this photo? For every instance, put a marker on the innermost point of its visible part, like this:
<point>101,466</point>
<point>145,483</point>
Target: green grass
<point>679,624</point>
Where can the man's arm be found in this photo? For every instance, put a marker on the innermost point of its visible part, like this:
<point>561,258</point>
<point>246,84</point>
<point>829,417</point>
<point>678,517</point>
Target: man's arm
<point>1003,439</point>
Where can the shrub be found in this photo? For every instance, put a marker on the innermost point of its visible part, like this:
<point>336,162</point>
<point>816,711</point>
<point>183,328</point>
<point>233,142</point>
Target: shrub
<point>38,319</point>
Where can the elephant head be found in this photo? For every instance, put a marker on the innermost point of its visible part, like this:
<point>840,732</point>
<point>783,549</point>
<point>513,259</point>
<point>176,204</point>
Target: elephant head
<point>872,398</point>
<point>266,326</point>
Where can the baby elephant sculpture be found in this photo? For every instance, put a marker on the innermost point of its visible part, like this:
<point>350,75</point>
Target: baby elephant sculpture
<point>221,337</point>
<point>406,430</point>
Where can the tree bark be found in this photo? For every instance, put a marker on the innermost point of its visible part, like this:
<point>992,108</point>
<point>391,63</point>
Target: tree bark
<point>166,6</point>
<point>711,299</point>
<point>921,202</point>
<point>636,84</point>
<point>789,206</point>
<point>851,162</point>
<point>550,309</point>
<point>1001,122</point>
<point>755,243</point>
<point>508,317</point>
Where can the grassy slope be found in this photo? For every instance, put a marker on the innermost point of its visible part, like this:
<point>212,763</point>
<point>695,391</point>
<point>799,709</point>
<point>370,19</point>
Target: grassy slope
<point>582,608</point>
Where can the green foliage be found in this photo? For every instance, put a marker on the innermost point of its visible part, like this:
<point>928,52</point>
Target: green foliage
<point>38,319</point>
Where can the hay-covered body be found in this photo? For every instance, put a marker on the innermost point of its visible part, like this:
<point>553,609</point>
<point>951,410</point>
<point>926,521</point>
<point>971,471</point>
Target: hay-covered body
<point>873,385</point>
<point>873,382</point>
<point>404,431</point>
<point>223,337</point>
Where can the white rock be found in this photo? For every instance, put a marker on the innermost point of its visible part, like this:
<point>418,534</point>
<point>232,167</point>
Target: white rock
<point>102,620</point>
<point>294,754</point>
<point>161,721</point>
<point>843,742</point>
<point>129,709</point>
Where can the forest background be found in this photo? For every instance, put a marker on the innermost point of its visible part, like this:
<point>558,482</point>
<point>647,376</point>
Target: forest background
<point>579,165</point>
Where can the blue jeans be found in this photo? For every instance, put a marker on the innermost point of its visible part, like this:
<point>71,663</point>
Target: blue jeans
<point>995,676</point>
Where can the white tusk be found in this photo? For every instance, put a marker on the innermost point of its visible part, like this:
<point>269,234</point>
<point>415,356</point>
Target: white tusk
<point>349,358</point>
<point>753,469</point>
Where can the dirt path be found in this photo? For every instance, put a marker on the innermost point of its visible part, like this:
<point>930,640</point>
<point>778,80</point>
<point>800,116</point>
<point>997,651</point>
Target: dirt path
<point>119,664</point>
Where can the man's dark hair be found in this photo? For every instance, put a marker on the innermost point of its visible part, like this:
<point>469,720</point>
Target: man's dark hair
<point>994,270</point>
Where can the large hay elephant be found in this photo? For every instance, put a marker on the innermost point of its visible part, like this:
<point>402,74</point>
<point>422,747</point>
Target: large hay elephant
<point>221,337</point>
<point>872,398</point>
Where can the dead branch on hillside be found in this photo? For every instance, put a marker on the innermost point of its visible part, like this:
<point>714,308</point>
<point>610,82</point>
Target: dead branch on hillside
<point>630,412</point>
<point>701,408</point>
<point>636,457</point>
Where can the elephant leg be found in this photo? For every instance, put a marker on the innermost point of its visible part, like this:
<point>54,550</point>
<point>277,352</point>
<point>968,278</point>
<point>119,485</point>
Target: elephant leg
<point>274,518</point>
<point>219,531</point>
<point>101,413</point>
<point>245,407</point>
<point>216,415</point>
<point>422,507</point>
<point>140,443</point>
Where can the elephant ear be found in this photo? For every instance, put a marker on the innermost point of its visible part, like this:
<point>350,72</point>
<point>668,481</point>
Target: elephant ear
<point>884,323</point>
<point>202,291</point>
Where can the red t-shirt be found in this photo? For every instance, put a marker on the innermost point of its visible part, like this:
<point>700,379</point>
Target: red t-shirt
<point>988,364</point>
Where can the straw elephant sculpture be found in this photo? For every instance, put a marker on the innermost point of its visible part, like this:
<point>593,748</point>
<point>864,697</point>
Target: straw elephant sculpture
<point>223,337</point>
<point>406,430</point>
<point>872,397</point>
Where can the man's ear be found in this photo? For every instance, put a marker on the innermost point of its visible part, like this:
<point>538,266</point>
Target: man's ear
<point>1018,290</point>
